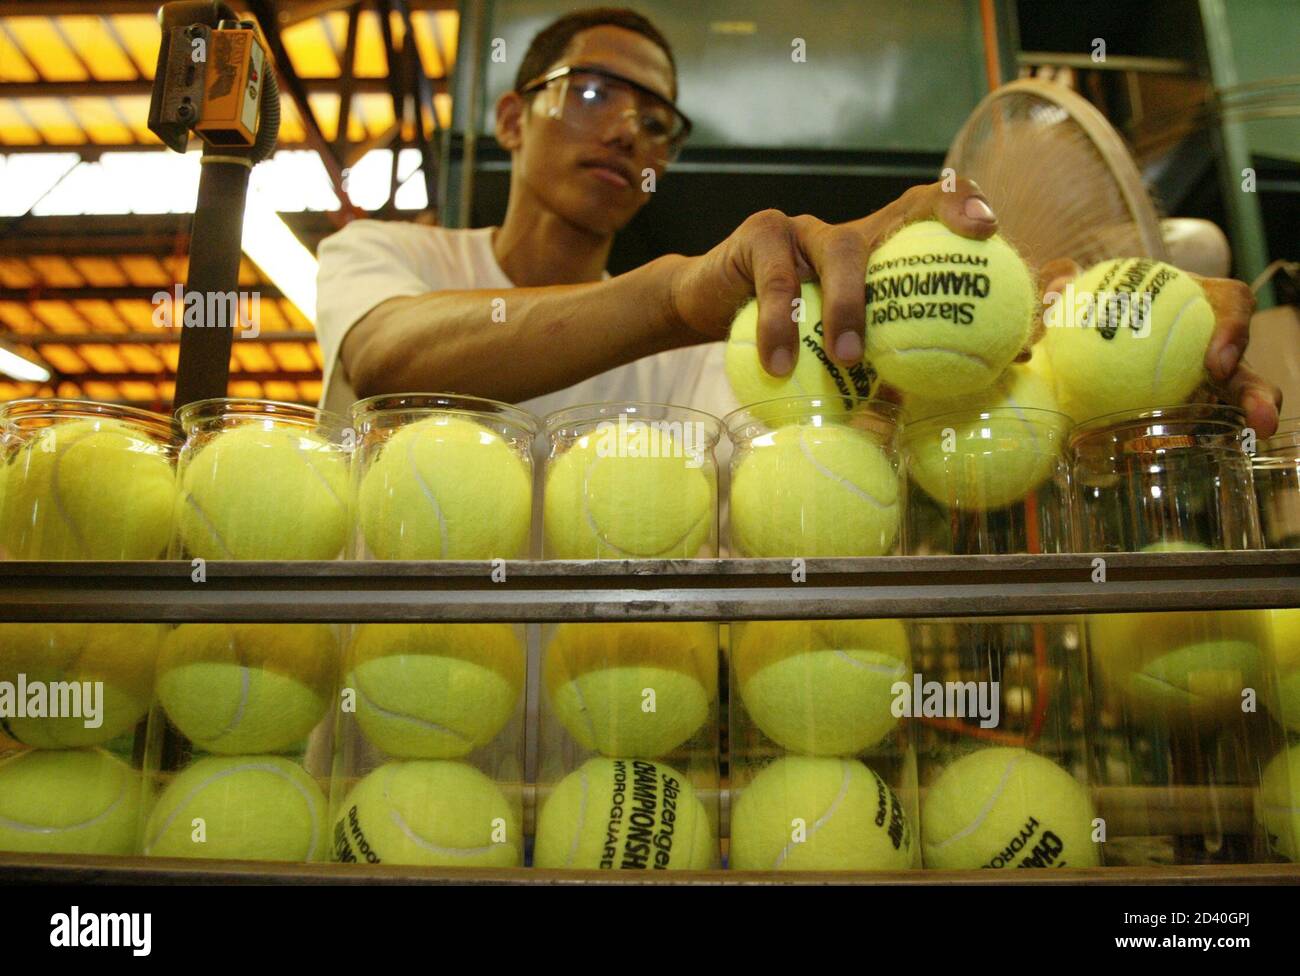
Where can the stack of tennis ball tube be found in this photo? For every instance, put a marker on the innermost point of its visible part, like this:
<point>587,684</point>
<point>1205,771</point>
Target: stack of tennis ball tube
<point>425,722</point>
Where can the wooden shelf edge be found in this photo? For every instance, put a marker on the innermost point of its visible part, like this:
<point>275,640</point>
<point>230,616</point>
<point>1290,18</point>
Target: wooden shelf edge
<point>86,870</point>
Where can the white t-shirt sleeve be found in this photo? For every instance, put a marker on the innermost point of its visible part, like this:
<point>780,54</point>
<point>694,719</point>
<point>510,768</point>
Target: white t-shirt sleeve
<point>362,266</point>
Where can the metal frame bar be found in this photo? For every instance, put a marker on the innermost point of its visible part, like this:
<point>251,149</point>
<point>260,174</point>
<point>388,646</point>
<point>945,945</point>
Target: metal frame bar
<point>78,869</point>
<point>622,590</point>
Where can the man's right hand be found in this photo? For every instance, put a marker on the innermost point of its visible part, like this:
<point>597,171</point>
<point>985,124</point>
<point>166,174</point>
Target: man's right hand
<point>770,254</point>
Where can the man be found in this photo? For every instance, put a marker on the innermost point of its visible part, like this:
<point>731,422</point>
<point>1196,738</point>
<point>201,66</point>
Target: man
<point>409,308</point>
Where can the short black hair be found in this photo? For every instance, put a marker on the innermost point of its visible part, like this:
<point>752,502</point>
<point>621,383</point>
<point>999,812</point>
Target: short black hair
<point>550,44</point>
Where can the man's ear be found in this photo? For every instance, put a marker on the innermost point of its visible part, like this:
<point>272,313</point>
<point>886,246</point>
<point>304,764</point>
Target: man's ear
<point>511,107</point>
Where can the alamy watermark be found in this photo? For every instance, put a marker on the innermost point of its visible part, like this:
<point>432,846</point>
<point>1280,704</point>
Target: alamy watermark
<point>633,438</point>
<point>240,310</point>
<point>947,699</point>
<point>1106,311</point>
<point>53,699</point>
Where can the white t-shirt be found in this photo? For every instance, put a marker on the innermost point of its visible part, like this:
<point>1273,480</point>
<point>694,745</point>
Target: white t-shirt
<point>371,261</point>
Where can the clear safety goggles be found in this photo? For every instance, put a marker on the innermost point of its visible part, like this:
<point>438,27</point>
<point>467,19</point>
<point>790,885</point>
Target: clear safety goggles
<point>590,100</point>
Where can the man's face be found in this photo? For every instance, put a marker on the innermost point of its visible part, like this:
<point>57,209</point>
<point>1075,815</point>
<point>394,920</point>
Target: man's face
<point>594,180</point>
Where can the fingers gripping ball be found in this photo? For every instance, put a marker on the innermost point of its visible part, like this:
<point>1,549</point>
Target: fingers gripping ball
<point>1007,808</point>
<point>985,461</point>
<point>444,814</point>
<point>821,687</point>
<point>627,491</point>
<point>258,493</point>
<point>82,801</point>
<point>632,689</point>
<point>1277,807</point>
<point>256,808</point>
<point>435,691</point>
<point>624,814</point>
<point>805,813</point>
<point>246,688</point>
<point>946,314</point>
<point>805,490</point>
<point>88,489</point>
<point>446,488</point>
<point>814,373</point>
<point>1134,336</point>
<point>55,671</point>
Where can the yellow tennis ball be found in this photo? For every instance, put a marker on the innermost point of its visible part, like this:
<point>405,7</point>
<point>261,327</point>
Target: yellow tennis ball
<point>1127,335</point>
<point>632,689</point>
<point>624,814</point>
<point>1285,644</point>
<point>81,801</point>
<point>1007,808</point>
<point>821,687</point>
<point>89,489</point>
<point>1277,805</point>
<point>428,812</point>
<point>254,492</point>
<point>946,314</point>
<point>631,490</point>
<point>247,688</point>
<point>446,488</point>
<point>806,490</point>
<point>987,449</point>
<point>435,691</point>
<point>57,672</point>
<point>1179,667</point>
<point>805,813</point>
<point>814,374</point>
<point>254,808</point>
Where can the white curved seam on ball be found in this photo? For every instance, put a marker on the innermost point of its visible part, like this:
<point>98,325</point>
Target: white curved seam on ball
<point>899,351</point>
<point>1169,337</point>
<point>895,668</point>
<point>23,828</point>
<point>1282,808</point>
<point>307,460</point>
<point>582,706</point>
<point>823,819</point>
<point>209,524</point>
<point>982,814</point>
<point>444,540</point>
<point>429,845</point>
<point>217,777</point>
<point>245,683</point>
<point>627,553</point>
<point>59,456</point>
<point>843,482</point>
<point>1028,424</point>
<point>582,818</point>
<point>428,724</point>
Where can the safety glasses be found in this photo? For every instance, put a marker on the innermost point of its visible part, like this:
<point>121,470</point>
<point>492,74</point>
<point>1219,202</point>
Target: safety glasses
<point>589,100</point>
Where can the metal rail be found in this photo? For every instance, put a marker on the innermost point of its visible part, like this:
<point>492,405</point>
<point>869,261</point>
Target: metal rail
<point>616,590</point>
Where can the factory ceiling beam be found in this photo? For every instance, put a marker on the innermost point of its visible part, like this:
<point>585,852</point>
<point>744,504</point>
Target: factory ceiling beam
<point>117,234</point>
<point>287,13</point>
<point>76,8</point>
<point>132,293</point>
<point>292,13</point>
<point>159,338</point>
<point>144,87</point>
<point>264,12</point>
<point>166,376</point>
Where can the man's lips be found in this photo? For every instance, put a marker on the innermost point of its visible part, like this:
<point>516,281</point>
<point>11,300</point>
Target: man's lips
<point>609,173</point>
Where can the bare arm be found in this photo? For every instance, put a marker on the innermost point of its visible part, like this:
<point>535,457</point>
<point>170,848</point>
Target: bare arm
<point>518,343</point>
